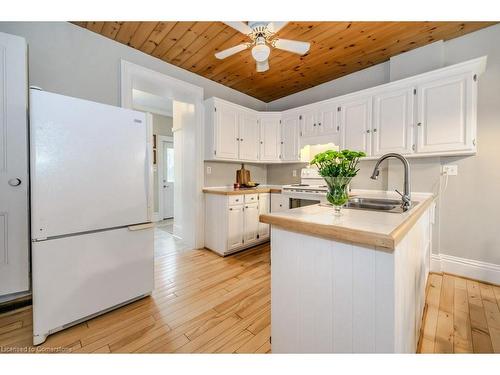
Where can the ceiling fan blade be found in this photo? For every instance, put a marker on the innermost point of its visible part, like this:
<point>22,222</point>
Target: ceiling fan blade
<point>275,27</point>
<point>292,45</point>
<point>231,51</point>
<point>262,66</point>
<point>242,27</point>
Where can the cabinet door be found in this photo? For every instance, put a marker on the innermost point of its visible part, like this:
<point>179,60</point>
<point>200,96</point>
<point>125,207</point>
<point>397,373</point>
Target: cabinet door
<point>270,138</point>
<point>248,137</point>
<point>290,138</point>
<point>235,227</point>
<point>328,123</point>
<point>279,202</point>
<point>445,118</point>
<point>356,125</point>
<point>226,128</point>
<point>308,123</point>
<point>251,223</point>
<point>264,200</point>
<point>393,122</point>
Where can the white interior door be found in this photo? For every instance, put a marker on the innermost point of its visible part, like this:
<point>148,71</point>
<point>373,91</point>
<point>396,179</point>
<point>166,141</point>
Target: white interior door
<point>14,235</point>
<point>168,179</point>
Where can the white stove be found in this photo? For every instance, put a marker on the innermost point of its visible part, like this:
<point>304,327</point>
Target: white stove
<point>312,188</point>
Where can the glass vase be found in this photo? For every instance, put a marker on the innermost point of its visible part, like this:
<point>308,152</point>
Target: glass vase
<point>338,192</point>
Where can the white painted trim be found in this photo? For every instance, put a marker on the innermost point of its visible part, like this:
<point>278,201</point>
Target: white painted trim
<point>473,269</point>
<point>156,217</point>
<point>137,77</point>
<point>156,111</point>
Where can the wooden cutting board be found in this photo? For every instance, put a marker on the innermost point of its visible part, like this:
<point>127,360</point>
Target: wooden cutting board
<point>242,175</point>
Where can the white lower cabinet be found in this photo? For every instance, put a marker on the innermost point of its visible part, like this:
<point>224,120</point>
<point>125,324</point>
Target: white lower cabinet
<point>264,208</point>
<point>232,221</point>
<point>251,223</point>
<point>235,225</point>
<point>279,202</point>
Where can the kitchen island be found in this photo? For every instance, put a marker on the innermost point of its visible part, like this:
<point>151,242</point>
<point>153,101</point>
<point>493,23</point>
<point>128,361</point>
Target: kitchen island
<point>354,283</point>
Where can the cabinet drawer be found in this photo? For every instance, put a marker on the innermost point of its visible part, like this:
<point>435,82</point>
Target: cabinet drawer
<point>251,198</point>
<point>235,199</point>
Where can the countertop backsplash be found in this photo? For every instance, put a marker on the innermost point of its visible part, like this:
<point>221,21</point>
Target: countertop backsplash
<point>224,173</point>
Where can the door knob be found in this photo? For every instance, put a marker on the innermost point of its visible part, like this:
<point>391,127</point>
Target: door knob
<point>14,182</point>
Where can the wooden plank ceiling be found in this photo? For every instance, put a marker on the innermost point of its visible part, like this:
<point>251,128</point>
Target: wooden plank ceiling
<point>337,49</point>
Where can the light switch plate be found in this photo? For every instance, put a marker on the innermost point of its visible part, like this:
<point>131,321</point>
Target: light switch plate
<point>209,170</point>
<point>294,173</point>
<point>450,169</point>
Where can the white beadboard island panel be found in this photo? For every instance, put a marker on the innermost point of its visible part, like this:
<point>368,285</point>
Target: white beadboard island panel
<point>330,296</point>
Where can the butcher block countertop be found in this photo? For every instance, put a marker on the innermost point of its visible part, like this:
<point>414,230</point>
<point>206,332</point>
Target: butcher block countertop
<point>229,190</point>
<point>373,228</point>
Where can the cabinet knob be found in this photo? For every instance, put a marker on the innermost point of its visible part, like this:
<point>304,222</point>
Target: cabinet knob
<point>14,182</point>
<point>374,130</point>
<point>241,139</point>
<point>319,123</point>
<point>314,124</point>
<point>367,130</point>
<point>419,124</point>
<point>237,139</point>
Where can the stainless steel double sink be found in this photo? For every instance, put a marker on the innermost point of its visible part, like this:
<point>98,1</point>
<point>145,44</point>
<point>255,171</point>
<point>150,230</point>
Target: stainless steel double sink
<point>375,204</point>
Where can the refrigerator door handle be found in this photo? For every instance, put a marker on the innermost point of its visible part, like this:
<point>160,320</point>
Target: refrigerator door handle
<point>140,226</point>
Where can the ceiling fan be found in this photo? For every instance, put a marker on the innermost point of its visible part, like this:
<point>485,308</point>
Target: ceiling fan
<point>263,35</point>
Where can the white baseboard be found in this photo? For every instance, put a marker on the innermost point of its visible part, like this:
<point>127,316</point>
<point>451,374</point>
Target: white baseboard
<point>473,269</point>
<point>156,217</point>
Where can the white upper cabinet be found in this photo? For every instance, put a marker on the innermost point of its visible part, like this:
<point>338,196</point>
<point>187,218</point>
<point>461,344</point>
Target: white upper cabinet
<point>393,121</point>
<point>270,137</point>
<point>446,114</point>
<point>226,132</point>
<point>248,137</point>
<point>430,114</point>
<point>290,138</point>
<point>355,121</point>
<point>308,122</point>
<point>328,121</point>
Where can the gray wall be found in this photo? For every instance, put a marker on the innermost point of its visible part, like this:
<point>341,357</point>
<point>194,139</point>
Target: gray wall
<point>69,60</point>
<point>468,211</point>
<point>224,173</point>
<point>162,125</point>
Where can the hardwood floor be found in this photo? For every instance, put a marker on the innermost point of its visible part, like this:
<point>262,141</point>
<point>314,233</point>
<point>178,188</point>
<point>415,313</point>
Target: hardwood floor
<point>202,303</point>
<point>463,316</point>
<point>208,304</point>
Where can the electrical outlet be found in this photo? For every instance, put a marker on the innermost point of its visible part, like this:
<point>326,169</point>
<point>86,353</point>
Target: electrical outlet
<point>450,169</point>
<point>294,173</point>
<point>209,170</point>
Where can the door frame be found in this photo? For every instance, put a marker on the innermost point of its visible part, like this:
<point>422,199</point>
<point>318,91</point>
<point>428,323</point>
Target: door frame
<point>134,76</point>
<point>159,170</point>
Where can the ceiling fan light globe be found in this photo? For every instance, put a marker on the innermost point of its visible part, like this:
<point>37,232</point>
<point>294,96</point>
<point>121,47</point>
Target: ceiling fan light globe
<point>261,52</point>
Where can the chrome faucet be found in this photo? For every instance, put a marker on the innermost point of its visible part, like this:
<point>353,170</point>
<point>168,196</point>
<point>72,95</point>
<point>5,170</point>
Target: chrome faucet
<point>405,196</point>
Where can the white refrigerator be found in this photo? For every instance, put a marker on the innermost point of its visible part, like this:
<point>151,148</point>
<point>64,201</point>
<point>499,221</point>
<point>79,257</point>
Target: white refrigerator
<point>91,209</point>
